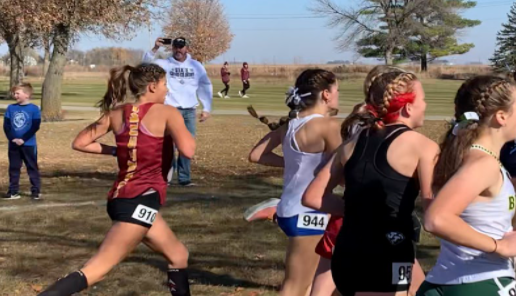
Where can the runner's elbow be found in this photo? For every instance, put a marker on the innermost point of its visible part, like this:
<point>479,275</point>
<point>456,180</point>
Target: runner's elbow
<point>189,151</point>
<point>254,156</point>
<point>433,223</point>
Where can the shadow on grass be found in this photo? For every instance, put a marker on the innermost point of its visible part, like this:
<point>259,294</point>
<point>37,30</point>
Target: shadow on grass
<point>208,252</point>
<point>82,175</point>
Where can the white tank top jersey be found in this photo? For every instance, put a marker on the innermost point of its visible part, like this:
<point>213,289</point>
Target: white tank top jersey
<point>299,170</point>
<point>458,264</point>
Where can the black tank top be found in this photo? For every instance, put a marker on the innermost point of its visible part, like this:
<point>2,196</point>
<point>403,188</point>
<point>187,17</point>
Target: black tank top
<point>378,199</point>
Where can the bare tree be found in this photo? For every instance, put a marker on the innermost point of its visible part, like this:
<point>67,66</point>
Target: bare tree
<point>387,20</point>
<point>20,26</point>
<point>203,23</point>
<point>115,19</point>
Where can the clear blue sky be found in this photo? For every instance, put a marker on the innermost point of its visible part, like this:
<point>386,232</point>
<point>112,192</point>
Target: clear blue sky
<point>263,36</point>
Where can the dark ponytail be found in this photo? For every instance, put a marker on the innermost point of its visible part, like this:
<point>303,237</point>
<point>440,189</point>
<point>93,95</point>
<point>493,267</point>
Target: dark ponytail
<point>272,125</point>
<point>358,118</point>
<point>309,85</point>
<point>137,81</point>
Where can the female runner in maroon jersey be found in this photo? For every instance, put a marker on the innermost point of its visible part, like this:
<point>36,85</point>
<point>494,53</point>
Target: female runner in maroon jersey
<point>145,132</point>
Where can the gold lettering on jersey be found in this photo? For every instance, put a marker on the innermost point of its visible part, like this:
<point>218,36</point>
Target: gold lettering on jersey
<point>134,122</point>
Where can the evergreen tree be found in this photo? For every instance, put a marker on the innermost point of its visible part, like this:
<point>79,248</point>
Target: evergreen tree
<point>504,58</point>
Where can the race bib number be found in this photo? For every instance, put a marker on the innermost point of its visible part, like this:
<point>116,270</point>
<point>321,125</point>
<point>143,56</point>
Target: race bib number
<point>312,221</point>
<point>510,290</point>
<point>401,273</point>
<point>145,214</point>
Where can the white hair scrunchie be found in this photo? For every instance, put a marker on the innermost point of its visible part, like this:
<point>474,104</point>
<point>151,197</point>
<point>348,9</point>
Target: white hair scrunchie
<point>294,97</point>
<point>464,120</point>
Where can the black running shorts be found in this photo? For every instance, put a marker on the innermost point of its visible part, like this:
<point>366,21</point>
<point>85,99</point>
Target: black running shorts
<point>384,266</point>
<point>141,210</point>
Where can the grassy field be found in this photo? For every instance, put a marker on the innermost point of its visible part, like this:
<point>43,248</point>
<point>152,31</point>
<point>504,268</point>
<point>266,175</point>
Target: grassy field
<point>267,96</point>
<point>228,256</point>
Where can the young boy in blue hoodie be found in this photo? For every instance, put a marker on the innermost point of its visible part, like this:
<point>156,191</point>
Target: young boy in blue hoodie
<point>21,122</point>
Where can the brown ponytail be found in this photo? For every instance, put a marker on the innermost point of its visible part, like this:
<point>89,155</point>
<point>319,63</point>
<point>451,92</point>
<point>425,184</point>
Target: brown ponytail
<point>484,95</point>
<point>272,125</point>
<point>309,85</point>
<point>137,81</point>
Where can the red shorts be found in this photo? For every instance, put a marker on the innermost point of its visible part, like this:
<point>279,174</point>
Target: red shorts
<point>325,246</point>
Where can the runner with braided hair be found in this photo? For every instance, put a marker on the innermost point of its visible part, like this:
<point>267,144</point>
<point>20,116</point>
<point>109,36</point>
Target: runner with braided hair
<point>473,212</point>
<point>384,166</point>
<point>144,132</point>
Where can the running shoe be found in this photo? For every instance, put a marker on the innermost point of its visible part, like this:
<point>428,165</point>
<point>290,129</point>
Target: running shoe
<point>262,211</point>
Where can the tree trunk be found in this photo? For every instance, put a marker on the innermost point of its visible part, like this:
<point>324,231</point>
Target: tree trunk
<point>388,56</point>
<point>15,44</point>
<point>51,90</point>
<point>424,63</point>
<point>46,58</point>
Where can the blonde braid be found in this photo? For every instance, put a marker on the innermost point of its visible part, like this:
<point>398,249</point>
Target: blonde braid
<point>497,86</point>
<point>393,89</point>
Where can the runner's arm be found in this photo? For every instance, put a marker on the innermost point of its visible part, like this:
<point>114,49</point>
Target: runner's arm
<point>263,153</point>
<point>443,216</point>
<point>86,140</point>
<point>319,194</point>
<point>425,169</point>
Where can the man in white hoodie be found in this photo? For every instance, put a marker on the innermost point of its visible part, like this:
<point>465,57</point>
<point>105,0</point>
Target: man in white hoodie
<point>187,81</point>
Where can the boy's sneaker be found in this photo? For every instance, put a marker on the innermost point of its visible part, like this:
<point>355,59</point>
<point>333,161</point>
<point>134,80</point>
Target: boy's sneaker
<point>227,97</point>
<point>262,211</point>
<point>35,195</point>
<point>220,95</point>
<point>245,97</point>
<point>240,93</point>
<point>11,196</point>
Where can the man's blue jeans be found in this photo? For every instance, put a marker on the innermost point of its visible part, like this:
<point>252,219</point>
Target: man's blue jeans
<point>181,164</point>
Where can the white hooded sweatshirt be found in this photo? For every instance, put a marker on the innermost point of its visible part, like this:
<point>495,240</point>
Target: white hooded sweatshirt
<point>186,82</point>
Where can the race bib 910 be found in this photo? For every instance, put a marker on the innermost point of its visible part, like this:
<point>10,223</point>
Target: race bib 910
<point>145,214</point>
<point>401,273</point>
<point>312,221</point>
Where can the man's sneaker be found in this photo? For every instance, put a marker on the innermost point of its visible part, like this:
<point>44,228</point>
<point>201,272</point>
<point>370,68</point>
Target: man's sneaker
<point>245,97</point>
<point>227,97</point>
<point>262,211</point>
<point>11,196</point>
<point>187,184</point>
<point>220,95</point>
<point>35,195</point>
<point>240,93</point>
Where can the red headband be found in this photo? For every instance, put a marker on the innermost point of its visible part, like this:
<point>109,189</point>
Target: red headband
<point>395,105</point>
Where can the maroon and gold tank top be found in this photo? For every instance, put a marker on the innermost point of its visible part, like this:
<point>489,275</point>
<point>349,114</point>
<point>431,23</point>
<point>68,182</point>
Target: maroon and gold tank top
<point>143,159</point>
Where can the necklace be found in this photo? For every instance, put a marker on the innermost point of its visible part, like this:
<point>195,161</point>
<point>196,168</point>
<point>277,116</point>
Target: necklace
<point>484,149</point>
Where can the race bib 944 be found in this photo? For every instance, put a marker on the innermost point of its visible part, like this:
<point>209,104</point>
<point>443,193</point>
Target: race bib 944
<point>312,221</point>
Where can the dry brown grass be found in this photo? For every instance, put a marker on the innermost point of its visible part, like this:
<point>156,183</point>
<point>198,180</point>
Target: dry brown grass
<point>227,255</point>
<point>274,73</point>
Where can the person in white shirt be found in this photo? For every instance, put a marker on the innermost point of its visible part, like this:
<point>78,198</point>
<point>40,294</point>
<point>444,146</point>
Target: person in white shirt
<point>187,84</point>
